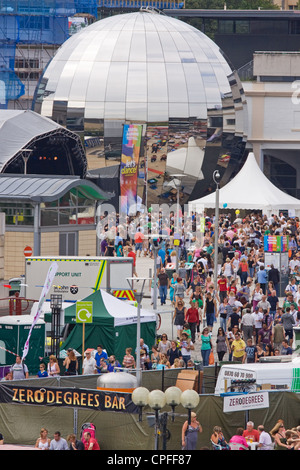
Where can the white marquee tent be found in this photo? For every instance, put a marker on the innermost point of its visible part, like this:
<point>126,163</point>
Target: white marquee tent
<point>249,189</point>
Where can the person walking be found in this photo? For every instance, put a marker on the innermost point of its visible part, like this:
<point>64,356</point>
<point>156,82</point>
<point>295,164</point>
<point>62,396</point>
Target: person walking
<point>163,282</point>
<point>192,318</point>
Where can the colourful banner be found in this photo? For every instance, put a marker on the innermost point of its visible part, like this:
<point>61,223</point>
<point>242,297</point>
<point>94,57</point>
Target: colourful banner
<point>131,146</point>
<point>276,243</point>
<point>47,286</point>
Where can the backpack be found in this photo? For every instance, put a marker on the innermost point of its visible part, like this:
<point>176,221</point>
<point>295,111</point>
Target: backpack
<point>88,427</point>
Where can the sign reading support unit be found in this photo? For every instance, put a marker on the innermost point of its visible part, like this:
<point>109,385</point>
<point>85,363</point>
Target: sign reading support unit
<point>84,314</point>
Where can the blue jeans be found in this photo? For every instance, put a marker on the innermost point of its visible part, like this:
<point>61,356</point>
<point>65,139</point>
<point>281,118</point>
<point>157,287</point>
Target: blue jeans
<point>205,356</point>
<point>223,322</point>
<point>163,290</point>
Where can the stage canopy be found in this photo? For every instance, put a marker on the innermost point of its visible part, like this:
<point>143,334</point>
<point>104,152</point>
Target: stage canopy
<point>33,144</point>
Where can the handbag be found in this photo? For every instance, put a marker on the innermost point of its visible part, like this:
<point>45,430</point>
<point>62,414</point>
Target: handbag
<point>211,359</point>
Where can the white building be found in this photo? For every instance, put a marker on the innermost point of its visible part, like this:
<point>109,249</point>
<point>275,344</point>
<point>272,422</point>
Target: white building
<point>273,102</point>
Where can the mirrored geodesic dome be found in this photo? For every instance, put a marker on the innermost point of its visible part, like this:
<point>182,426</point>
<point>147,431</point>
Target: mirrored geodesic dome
<point>150,69</point>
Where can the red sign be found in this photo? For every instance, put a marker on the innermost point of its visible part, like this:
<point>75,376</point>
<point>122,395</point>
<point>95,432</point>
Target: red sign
<point>27,251</point>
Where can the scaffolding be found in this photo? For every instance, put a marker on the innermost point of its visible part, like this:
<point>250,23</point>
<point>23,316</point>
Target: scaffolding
<point>30,33</point>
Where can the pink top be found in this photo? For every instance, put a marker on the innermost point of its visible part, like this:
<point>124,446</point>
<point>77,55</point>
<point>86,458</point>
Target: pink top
<point>239,440</point>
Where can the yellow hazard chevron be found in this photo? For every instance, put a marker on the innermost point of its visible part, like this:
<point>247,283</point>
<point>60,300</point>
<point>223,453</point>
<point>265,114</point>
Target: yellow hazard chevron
<point>124,294</point>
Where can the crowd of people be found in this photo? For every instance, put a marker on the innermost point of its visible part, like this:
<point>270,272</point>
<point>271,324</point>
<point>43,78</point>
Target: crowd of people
<point>252,319</point>
<point>252,316</point>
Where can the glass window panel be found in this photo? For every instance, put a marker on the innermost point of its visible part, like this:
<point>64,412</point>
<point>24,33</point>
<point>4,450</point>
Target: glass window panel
<point>157,83</point>
<point>176,83</point>
<point>49,217</point>
<point>86,215</point>
<point>226,26</point>
<point>137,82</point>
<point>242,26</point>
<point>116,81</point>
<point>97,83</point>
<point>67,216</point>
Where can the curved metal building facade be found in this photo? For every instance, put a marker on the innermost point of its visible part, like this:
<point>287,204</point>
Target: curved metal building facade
<point>150,69</point>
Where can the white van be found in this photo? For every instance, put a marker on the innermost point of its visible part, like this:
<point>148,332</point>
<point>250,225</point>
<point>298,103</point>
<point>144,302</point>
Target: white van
<point>283,375</point>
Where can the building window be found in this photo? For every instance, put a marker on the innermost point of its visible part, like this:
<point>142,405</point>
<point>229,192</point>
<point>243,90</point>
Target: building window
<point>18,214</point>
<point>68,244</point>
<point>71,209</point>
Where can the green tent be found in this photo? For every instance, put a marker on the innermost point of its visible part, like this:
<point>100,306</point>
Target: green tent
<point>114,325</point>
<point>14,331</point>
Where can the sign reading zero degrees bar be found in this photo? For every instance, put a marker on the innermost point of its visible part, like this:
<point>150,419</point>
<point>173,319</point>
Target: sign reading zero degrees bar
<point>69,397</point>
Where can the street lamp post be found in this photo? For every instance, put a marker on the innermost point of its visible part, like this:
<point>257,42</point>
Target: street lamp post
<point>25,155</point>
<point>216,178</point>
<point>157,399</point>
<point>55,305</point>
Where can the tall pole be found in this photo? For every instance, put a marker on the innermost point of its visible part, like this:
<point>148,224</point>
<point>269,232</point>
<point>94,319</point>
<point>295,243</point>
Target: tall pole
<point>138,297</point>
<point>216,177</point>
<point>155,251</point>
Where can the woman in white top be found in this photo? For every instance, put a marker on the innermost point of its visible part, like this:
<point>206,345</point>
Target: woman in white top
<point>43,442</point>
<point>257,296</point>
<point>53,367</point>
<point>227,269</point>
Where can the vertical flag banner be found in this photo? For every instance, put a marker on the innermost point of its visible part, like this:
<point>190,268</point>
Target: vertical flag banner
<point>131,146</point>
<point>47,286</point>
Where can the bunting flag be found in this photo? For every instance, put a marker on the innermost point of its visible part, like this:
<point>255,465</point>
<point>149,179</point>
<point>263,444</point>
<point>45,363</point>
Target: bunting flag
<point>47,286</point>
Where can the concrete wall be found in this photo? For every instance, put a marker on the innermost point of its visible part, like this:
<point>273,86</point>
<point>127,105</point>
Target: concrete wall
<point>14,259</point>
<point>285,64</point>
<point>12,244</point>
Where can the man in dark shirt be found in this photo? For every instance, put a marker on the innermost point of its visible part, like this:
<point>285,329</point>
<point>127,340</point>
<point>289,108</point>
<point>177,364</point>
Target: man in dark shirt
<point>250,352</point>
<point>163,282</point>
<point>273,301</point>
<point>234,318</point>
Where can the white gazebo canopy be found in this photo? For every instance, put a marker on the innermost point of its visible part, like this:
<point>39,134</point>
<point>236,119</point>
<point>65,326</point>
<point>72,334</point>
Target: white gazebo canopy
<point>249,189</point>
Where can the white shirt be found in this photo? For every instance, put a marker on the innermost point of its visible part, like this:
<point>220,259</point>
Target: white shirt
<point>266,441</point>
<point>89,366</point>
<point>258,317</point>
